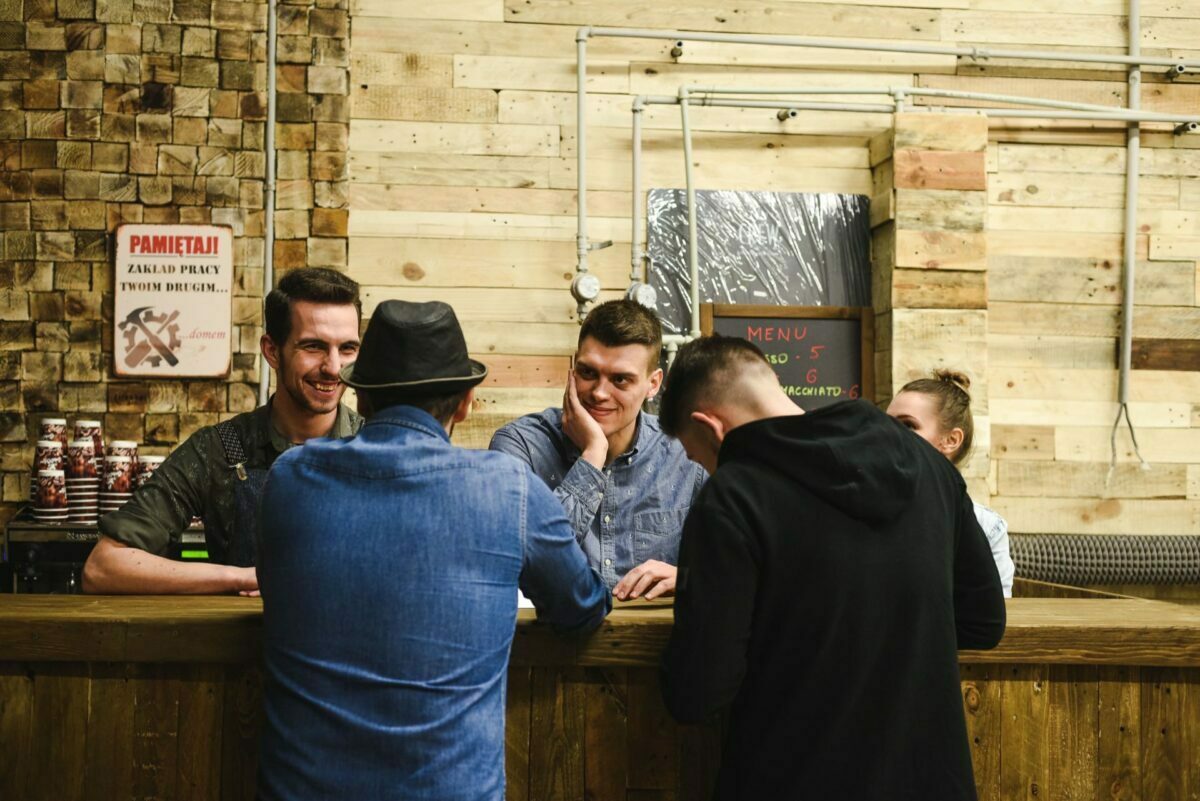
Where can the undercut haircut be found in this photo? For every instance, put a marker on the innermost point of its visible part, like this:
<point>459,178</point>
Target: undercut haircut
<point>624,322</point>
<point>440,406</point>
<point>706,371</point>
<point>312,284</point>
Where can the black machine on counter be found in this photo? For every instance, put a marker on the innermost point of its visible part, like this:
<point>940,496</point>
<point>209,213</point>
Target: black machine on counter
<point>42,558</point>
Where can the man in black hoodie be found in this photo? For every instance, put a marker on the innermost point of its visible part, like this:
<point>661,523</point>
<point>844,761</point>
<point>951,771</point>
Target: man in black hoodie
<point>828,572</point>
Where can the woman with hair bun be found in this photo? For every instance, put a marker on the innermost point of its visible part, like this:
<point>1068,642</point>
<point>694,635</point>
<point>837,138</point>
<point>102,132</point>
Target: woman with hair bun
<point>938,409</point>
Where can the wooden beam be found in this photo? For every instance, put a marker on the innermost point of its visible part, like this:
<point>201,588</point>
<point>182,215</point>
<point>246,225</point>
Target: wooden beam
<point>933,169</point>
<point>1166,354</point>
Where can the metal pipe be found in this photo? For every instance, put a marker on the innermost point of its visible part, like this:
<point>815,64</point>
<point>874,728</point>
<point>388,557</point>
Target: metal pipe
<point>678,37</point>
<point>1113,115</point>
<point>581,241</point>
<point>685,100</point>
<point>264,369</point>
<point>987,97</point>
<point>978,53</point>
<point>880,108</point>
<point>1133,146</point>
<point>1133,142</point>
<point>693,253</point>
<point>637,254</point>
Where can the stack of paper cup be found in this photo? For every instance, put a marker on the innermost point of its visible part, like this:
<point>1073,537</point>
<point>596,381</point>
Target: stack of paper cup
<point>90,429</point>
<point>146,467</point>
<point>50,503</point>
<point>124,447</point>
<point>48,455</point>
<point>54,428</point>
<point>118,483</point>
<point>83,482</point>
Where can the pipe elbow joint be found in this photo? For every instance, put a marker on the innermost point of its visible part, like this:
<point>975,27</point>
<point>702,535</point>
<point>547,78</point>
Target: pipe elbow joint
<point>583,34</point>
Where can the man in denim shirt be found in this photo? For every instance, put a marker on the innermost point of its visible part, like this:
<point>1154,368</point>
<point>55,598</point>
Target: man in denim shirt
<point>389,568</point>
<point>625,486</point>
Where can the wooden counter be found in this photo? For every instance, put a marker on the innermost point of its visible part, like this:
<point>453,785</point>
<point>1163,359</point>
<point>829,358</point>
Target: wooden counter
<point>160,698</point>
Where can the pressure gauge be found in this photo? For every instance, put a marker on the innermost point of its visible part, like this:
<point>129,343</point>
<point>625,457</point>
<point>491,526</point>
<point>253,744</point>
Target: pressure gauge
<point>585,287</point>
<point>643,294</point>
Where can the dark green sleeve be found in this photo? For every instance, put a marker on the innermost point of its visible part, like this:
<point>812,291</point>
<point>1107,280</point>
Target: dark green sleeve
<point>165,505</point>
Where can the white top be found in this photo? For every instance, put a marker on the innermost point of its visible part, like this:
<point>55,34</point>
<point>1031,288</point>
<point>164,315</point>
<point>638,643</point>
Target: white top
<point>996,529</point>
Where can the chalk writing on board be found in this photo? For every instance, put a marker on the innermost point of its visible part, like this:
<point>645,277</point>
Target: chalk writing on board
<point>818,360</point>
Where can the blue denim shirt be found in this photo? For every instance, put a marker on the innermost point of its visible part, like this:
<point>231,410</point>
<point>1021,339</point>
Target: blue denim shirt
<point>389,568</point>
<point>630,511</point>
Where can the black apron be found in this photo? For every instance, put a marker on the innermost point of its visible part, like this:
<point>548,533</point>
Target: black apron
<point>242,548</point>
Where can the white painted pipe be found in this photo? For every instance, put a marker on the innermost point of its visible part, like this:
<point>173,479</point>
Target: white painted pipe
<point>979,53</point>
<point>637,254</point>
<point>264,369</point>
<point>583,34</point>
<point>985,97</point>
<point>685,99</point>
<point>693,252</point>
<point>581,240</point>
<point>1133,147</point>
<point>1133,142</point>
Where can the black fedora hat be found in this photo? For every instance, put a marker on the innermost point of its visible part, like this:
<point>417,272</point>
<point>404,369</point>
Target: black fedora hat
<point>414,346</point>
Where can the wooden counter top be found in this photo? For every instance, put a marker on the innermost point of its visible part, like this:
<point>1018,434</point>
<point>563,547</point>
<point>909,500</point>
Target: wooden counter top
<point>228,630</point>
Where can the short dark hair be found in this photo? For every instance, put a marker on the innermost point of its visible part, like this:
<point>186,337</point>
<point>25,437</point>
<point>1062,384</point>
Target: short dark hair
<point>440,406</point>
<point>703,365</point>
<point>312,284</point>
<point>624,322</point>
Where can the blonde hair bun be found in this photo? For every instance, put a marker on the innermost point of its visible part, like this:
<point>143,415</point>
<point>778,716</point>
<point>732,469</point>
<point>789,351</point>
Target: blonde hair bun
<point>954,377</point>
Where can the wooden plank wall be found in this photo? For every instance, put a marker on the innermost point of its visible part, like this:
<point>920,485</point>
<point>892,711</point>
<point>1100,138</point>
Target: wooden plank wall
<point>462,166</point>
<point>75,731</point>
<point>1055,216</point>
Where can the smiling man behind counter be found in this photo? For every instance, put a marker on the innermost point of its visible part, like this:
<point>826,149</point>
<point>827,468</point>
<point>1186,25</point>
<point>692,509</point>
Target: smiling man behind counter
<point>626,487</point>
<point>312,321</point>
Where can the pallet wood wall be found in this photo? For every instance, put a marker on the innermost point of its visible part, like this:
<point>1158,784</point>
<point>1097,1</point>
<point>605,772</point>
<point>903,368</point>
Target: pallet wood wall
<point>462,169</point>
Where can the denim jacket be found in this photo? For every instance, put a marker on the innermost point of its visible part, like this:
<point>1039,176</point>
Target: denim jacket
<point>389,569</point>
<point>630,511</point>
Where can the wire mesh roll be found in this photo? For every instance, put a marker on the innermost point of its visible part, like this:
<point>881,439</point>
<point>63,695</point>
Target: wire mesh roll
<point>1086,559</point>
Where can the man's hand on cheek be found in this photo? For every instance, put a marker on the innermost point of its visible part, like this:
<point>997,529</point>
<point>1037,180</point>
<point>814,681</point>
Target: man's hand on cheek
<point>648,580</point>
<point>581,428</point>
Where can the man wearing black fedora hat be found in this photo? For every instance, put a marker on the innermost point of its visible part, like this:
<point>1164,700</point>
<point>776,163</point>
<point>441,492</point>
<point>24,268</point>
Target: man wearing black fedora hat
<point>389,569</point>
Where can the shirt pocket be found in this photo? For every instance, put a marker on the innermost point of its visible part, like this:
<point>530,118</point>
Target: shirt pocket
<point>656,535</point>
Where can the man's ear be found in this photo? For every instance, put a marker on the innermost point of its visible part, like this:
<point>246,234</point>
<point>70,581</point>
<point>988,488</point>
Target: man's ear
<point>464,406</point>
<point>712,426</point>
<point>270,351</point>
<point>656,379</point>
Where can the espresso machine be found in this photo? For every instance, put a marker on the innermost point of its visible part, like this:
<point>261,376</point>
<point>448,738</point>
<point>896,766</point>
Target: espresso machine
<point>42,558</point>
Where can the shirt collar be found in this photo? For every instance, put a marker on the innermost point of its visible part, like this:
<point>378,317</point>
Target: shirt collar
<point>410,417</point>
<point>343,426</point>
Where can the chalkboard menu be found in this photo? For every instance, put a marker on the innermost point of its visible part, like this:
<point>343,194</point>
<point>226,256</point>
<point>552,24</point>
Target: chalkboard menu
<point>822,354</point>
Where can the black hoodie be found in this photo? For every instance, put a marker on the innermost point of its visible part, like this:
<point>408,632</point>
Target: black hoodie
<point>827,573</point>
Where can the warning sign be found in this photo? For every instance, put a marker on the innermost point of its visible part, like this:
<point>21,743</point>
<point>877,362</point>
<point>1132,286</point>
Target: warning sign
<point>173,305</point>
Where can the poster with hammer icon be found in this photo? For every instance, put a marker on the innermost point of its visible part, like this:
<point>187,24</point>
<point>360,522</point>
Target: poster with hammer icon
<point>173,301</point>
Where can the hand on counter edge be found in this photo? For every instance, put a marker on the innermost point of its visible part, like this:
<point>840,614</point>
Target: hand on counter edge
<point>648,580</point>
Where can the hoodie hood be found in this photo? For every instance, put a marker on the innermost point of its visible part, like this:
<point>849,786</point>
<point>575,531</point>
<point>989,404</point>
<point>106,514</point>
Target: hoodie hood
<point>850,454</point>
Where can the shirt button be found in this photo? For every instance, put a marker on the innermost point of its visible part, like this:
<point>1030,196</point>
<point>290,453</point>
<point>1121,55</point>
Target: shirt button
<point>607,518</point>
<point>599,494</point>
<point>608,563</point>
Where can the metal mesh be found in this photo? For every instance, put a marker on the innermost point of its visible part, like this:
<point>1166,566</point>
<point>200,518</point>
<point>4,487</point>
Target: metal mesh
<point>1085,559</point>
